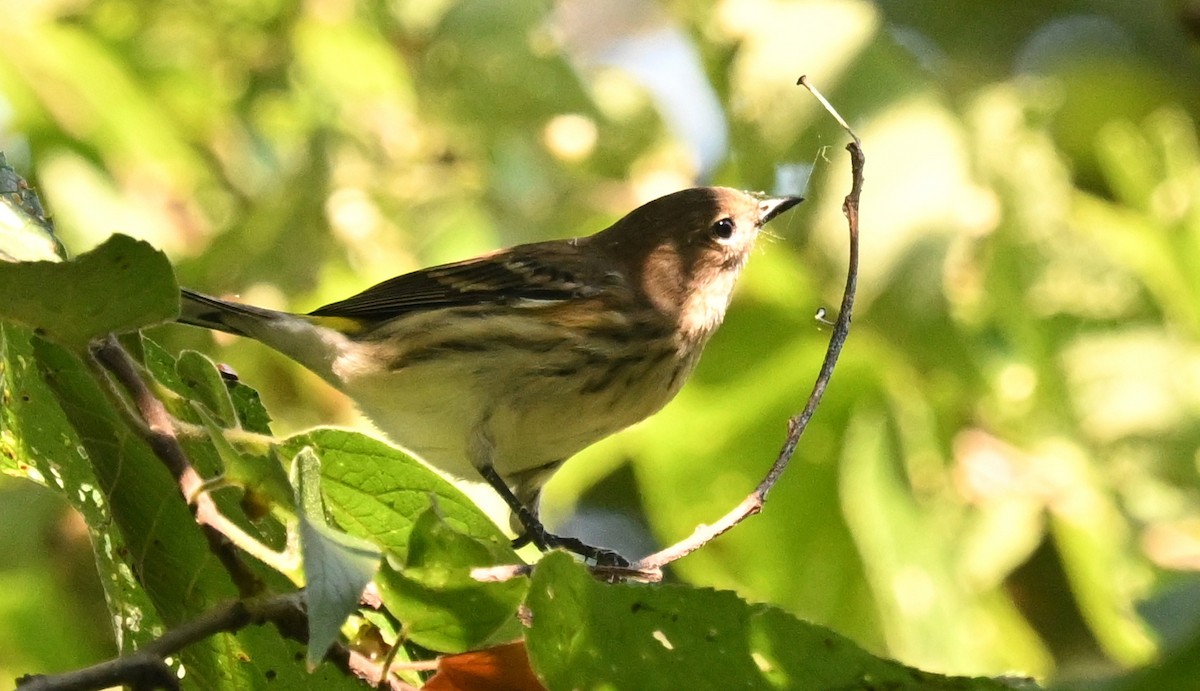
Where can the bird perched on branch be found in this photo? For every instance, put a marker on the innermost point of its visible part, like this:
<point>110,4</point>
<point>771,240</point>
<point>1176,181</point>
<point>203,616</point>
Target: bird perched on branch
<point>506,365</point>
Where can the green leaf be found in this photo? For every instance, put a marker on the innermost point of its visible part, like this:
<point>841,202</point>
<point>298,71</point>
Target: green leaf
<point>380,494</point>
<point>337,566</point>
<point>120,286</point>
<point>193,374</point>
<point>162,367</point>
<point>235,403</point>
<point>168,575</point>
<point>250,410</point>
<point>375,491</point>
<point>307,483</point>
<point>587,634</point>
<point>155,564</point>
<point>262,477</point>
<point>441,606</point>
<point>206,385</point>
<point>36,440</point>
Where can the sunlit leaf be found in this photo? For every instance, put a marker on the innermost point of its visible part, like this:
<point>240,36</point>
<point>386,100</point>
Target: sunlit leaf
<point>588,634</point>
<point>120,286</point>
<point>337,566</point>
<point>434,596</point>
<point>374,491</point>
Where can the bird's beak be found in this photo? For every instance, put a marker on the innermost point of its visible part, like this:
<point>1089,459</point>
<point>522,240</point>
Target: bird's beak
<point>773,206</point>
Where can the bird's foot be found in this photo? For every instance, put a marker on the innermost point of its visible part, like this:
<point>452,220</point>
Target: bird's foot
<point>545,540</point>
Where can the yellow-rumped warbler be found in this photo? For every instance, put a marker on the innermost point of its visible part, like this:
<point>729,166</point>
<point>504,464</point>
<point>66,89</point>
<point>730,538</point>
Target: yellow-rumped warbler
<point>507,364</point>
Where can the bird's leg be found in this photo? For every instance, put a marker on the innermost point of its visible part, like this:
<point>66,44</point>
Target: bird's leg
<point>527,486</point>
<point>536,533</point>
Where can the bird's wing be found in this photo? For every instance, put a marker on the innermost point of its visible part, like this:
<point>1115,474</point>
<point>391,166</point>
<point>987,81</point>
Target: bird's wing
<point>543,272</point>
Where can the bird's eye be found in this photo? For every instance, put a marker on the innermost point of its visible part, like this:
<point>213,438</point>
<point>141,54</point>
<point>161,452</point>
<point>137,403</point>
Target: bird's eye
<point>723,229</point>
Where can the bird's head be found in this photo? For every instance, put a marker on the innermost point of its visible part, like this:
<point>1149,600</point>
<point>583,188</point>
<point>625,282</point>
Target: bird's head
<point>684,251</point>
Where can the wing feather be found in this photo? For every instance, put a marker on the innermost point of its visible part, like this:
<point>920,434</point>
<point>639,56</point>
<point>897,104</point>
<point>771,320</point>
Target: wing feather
<point>554,271</point>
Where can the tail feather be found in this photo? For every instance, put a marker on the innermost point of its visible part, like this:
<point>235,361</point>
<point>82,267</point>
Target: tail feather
<point>296,336</point>
<point>197,309</point>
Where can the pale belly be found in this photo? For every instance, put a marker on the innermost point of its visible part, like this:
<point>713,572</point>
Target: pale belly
<point>500,413</point>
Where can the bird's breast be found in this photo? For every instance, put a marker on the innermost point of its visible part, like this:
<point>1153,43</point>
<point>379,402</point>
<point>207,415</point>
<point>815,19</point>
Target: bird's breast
<point>533,405</point>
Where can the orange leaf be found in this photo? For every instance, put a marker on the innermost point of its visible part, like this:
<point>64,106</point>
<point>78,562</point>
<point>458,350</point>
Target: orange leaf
<point>503,668</point>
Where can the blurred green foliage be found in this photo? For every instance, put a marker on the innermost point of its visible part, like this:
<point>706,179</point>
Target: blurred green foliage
<point>1004,474</point>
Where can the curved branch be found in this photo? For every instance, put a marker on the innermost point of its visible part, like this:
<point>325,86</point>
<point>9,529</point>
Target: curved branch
<point>146,668</point>
<point>754,502</point>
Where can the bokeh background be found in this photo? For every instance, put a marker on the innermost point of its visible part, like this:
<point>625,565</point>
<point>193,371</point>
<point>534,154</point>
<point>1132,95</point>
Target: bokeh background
<point>1004,475</point>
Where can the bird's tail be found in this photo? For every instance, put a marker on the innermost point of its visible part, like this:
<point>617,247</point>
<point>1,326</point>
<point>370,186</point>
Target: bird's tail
<point>297,336</point>
<point>198,309</point>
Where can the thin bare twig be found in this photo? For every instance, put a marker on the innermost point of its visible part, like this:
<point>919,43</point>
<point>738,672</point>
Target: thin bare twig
<point>137,670</point>
<point>145,668</point>
<point>753,503</point>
